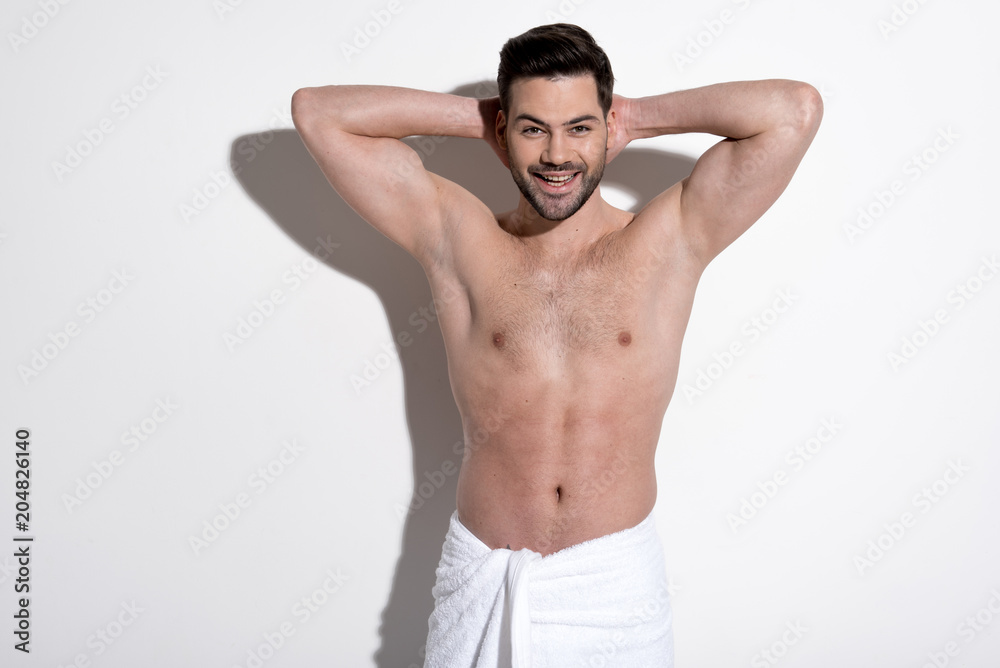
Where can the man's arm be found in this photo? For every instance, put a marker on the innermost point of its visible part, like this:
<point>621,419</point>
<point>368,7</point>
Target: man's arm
<point>353,133</point>
<point>768,126</point>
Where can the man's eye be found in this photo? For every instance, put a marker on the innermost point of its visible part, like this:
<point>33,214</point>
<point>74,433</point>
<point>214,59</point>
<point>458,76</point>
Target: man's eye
<point>581,128</point>
<point>531,131</point>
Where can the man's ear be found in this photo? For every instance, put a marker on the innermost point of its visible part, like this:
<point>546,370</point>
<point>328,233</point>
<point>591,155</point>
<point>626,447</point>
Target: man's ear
<point>501,130</point>
<point>612,123</point>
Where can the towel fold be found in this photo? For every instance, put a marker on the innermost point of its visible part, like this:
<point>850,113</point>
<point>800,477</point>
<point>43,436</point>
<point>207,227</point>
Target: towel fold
<point>603,602</point>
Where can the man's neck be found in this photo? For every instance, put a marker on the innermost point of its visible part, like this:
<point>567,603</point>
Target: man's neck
<point>592,221</point>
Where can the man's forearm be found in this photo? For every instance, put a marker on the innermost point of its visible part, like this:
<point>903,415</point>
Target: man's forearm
<point>388,111</point>
<point>737,110</point>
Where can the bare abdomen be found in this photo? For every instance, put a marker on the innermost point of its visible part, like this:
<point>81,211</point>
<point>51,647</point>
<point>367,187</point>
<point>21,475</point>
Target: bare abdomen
<point>550,467</point>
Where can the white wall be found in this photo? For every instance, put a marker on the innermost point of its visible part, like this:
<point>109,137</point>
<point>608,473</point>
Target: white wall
<point>224,81</point>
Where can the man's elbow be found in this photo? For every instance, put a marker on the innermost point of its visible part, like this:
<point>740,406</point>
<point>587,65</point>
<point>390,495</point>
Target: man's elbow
<point>303,105</point>
<point>806,107</point>
<point>313,105</point>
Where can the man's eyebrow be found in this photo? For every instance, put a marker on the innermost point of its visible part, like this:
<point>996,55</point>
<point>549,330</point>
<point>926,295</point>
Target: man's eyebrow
<point>578,119</point>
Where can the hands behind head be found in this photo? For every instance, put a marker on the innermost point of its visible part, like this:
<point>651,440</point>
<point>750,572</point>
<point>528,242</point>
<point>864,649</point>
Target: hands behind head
<point>619,121</point>
<point>489,108</point>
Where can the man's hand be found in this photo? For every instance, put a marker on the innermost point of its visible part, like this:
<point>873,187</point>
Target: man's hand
<point>620,117</point>
<point>489,108</point>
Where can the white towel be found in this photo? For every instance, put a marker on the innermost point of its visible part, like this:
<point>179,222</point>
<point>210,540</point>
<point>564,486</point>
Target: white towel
<point>603,602</point>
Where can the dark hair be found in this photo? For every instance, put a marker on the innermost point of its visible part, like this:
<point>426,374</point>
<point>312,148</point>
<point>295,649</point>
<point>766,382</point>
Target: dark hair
<point>558,49</point>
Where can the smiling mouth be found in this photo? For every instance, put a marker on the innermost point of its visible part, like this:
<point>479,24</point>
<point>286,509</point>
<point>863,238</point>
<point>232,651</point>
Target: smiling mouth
<point>556,182</point>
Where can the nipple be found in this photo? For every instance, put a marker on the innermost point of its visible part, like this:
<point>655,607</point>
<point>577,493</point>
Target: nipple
<point>624,338</point>
<point>498,339</point>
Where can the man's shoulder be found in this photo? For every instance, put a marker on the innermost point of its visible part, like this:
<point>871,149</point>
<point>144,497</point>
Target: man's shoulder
<point>658,228</point>
<point>471,231</point>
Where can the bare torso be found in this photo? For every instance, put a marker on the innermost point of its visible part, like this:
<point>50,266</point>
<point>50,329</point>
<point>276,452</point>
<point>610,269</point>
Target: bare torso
<point>563,333</point>
<point>562,367</point>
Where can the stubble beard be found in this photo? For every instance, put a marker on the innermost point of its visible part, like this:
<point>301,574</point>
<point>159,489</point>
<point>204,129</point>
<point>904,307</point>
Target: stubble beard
<point>558,207</point>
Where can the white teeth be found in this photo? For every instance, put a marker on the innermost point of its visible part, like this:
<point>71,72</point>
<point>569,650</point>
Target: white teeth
<point>557,179</point>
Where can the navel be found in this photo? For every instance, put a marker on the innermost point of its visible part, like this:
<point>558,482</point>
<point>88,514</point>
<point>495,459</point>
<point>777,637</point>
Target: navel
<point>624,338</point>
<point>498,339</point>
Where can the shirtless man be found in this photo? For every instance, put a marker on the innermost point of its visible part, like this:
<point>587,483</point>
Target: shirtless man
<point>570,312</point>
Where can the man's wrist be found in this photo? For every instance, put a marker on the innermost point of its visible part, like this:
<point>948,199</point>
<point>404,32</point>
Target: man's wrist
<point>738,109</point>
<point>489,107</point>
<point>650,116</point>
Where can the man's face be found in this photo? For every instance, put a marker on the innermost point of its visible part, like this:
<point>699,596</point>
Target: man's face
<point>556,140</point>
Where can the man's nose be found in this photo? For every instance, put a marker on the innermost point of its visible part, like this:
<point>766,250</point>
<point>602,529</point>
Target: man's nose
<point>556,150</point>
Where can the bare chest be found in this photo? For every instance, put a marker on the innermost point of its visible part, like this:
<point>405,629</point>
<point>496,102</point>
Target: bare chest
<point>585,303</point>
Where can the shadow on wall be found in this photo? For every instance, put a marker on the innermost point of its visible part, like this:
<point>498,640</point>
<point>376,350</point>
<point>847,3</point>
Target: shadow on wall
<point>287,184</point>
